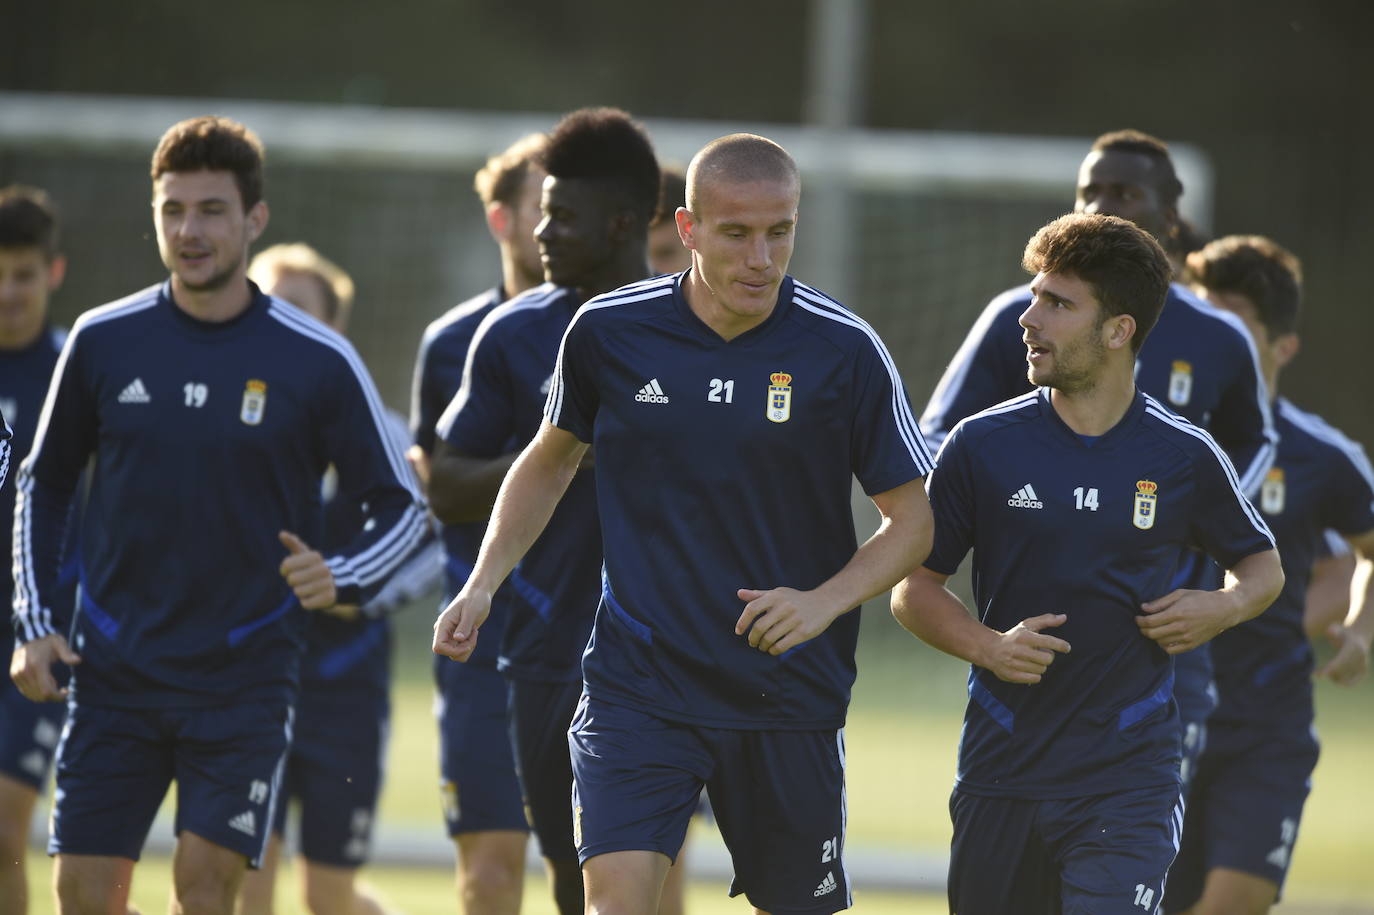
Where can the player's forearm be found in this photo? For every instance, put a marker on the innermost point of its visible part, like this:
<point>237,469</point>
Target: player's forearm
<point>531,491</point>
<point>931,612</point>
<point>1252,585</point>
<point>1328,594</point>
<point>1360,619</point>
<point>41,516</point>
<point>463,489</point>
<point>900,544</point>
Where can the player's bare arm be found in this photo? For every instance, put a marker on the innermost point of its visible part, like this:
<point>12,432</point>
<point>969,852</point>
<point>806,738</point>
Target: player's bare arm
<point>463,488</point>
<point>930,611</point>
<point>1328,594</point>
<point>537,480</point>
<point>780,619</point>
<point>1351,639</point>
<point>1184,619</point>
<point>31,667</point>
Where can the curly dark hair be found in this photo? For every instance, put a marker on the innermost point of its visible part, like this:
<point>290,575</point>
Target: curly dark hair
<point>606,144</point>
<point>1127,269</point>
<point>213,144</point>
<point>28,220</point>
<point>1258,268</point>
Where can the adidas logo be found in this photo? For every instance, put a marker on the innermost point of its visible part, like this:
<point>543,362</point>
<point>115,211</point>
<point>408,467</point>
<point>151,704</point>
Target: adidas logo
<point>651,393</point>
<point>1025,498</point>
<point>1278,857</point>
<point>135,392</point>
<point>828,885</point>
<point>245,823</point>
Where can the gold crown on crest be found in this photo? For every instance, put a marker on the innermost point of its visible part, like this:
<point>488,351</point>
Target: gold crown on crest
<point>1146,487</point>
<point>780,379</point>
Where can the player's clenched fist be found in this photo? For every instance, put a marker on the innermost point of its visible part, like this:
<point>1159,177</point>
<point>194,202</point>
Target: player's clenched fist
<point>307,573</point>
<point>1024,652</point>
<point>781,619</point>
<point>455,631</point>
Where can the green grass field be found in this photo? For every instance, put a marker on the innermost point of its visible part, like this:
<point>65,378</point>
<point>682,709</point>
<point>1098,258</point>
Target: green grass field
<point>901,741</point>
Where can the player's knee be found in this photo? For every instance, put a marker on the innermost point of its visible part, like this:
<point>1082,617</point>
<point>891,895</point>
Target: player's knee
<point>491,880</point>
<point>205,894</point>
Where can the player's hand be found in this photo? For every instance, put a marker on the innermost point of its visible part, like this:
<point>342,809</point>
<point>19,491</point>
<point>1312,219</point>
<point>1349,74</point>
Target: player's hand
<point>419,462</point>
<point>1184,619</point>
<point>1351,662</point>
<point>455,631</point>
<point>783,618</point>
<point>1024,652</point>
<point>31,667</point>
<point>307,573</point>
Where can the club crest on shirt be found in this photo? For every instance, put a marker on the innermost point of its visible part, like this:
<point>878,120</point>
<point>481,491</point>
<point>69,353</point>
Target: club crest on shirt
<point>1181,382</point>
<point>1272,492</point>
<point>1145,504</point>
<point>779,397</point>
<point>254,401</point>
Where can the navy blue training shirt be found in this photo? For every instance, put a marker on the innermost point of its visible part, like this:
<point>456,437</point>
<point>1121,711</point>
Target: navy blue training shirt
<point>1091,531</point>
<point>438,376</point>
<point>550,598</point>
<point>1198,361</point>
<point>1320,481</point>
<point>24,377</point>
<point>208,438</point>
<point>723,465</point>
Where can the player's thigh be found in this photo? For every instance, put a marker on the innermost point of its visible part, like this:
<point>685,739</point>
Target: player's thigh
<point>336,770</point>
<point>206,876</point>
<point>29,732</point>
<point>1114,851</point>
<point>478,785</point>
<point>779,800</point>
<point>1253,806</point>
<point>229,766</point>
<point>997,861</point>
<point>113,767</point>
<point>636,779</point>
<point>92,883</point>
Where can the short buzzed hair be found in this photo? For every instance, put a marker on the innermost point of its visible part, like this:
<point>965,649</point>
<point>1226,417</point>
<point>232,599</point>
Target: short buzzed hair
<point>28,220</point>
<point>740,157</point>
<point>503,176</point>
<point>1137,141</point>
<point>1259,268</point>
<point>1127,269</point>
<point>335,284</point>
<point>213,144</point>
<point>607,145</point>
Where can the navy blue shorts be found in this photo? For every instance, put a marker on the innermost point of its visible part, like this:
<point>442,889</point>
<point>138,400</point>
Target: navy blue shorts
<point>540,714</point>
<point>28,735</point>
<point>333,776</point>
<point>1098,855</point>
<point>114,767</point>
<point>778,798</point>
<point>478,784</point>
<point>1244,807</point>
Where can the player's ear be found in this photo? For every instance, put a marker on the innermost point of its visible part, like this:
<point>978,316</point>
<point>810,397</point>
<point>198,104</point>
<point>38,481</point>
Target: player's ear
<point>1285,348</point>
<point>686,227</point>
<point>1120,329</point>
<point>57,271</point>
<point>257,219</point>
<point>499,221</point>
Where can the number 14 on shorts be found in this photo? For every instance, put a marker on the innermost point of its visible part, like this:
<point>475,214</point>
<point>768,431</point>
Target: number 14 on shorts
<point>1144,897</point>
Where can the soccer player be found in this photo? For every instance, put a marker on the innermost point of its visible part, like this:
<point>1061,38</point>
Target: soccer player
<point>597,201</point>
<point>1198,362</point>
<point>729,408</point>
<point>1076,501</point>
<point>480,790</point>
<point>1253,778</point>
<point>334,769</point>
<point>667,254</point>
<point>31,269</point>
<point>211,412</point>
